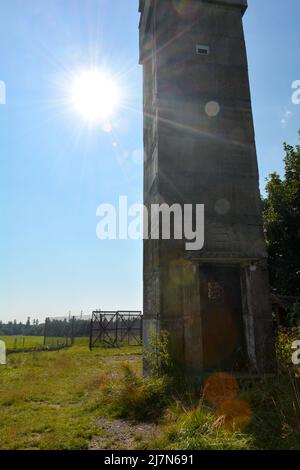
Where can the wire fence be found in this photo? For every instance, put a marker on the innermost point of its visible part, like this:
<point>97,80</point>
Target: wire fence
<point>100,329</point>
<point>61,332</point>
<point>19,343</point>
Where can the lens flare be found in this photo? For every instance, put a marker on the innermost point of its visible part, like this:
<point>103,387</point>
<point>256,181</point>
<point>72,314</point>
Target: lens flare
<point>235,414</point>
<point>220,387</point>
<point>184,7</point>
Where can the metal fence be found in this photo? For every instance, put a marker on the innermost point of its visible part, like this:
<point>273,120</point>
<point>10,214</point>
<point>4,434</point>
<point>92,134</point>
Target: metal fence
<point>115,329</point>
<point>102,328</point>
<point>61,332</point>
<point>19,343</point>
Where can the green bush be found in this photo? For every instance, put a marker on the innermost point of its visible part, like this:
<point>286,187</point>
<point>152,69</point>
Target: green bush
<point>158,357</point>
<point>294,315</point>
<point>275,405</point>
<point>284,340</point>
<point>137,398</point>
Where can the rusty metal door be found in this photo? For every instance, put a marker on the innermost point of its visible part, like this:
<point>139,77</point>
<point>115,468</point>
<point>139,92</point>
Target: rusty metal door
<point>222,321</point>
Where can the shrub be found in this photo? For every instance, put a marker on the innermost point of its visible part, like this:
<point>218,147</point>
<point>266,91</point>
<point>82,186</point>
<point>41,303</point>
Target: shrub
<point>275,405</point>
<point>284,340</point>
<point>294,315</point>
<point>137,398</point>
<point>158,357</point>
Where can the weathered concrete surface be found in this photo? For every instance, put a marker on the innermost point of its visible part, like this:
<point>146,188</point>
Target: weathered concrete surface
<point>199,146</point>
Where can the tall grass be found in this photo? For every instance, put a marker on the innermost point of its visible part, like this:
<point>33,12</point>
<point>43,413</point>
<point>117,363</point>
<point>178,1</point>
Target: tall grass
<point>133,397</point>
<point>224,413</point>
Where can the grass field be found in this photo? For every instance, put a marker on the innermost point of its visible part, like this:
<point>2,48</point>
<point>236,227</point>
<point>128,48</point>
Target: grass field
<point>20,343</point>
<point>77,399</point>
<point>47,398</point>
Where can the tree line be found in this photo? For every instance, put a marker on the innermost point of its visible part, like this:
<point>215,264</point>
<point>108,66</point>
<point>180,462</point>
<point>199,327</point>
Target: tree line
<point>30,328</point>
<point>52,327</point>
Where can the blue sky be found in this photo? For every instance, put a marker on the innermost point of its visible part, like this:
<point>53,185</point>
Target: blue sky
<point>55,171</point>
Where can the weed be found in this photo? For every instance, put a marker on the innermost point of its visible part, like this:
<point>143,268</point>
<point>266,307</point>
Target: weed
<point>136,398</point>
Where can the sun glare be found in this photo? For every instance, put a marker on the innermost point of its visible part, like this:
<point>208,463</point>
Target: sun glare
<point>95,96</point>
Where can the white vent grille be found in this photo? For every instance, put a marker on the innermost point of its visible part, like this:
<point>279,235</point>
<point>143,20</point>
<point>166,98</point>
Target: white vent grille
<point>202,50</point>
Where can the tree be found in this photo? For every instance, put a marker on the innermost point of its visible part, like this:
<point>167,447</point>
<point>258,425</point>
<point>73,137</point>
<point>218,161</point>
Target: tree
<point>281,214</point>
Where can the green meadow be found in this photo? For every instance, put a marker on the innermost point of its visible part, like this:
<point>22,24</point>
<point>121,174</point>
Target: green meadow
<point>19,343</point>
<point>77,399</point>
<point>22,342</point>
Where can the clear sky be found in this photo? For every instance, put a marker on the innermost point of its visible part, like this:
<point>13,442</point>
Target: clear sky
<point>55,170</point>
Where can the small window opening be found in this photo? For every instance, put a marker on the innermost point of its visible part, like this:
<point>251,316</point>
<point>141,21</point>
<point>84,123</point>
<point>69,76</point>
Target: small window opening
<point>202,50</point>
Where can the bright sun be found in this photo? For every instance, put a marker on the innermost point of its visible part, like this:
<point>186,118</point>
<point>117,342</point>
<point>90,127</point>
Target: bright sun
<point>95,96</point>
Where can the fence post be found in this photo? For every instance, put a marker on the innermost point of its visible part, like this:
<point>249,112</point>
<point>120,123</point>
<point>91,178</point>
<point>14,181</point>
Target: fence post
<point>157,333</point>
<point>72,330</point>
<point>45,330</point>
<point>116,332</point>
<point>91,334</point>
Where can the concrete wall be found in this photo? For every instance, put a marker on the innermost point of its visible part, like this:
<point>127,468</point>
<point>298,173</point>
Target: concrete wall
<point>199,148</point>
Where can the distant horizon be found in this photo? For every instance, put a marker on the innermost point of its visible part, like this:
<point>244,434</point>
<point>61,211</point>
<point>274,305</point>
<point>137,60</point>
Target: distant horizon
<point>70,314</point>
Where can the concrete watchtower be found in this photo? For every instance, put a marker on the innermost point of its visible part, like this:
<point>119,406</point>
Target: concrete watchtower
<point>199,148</point>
